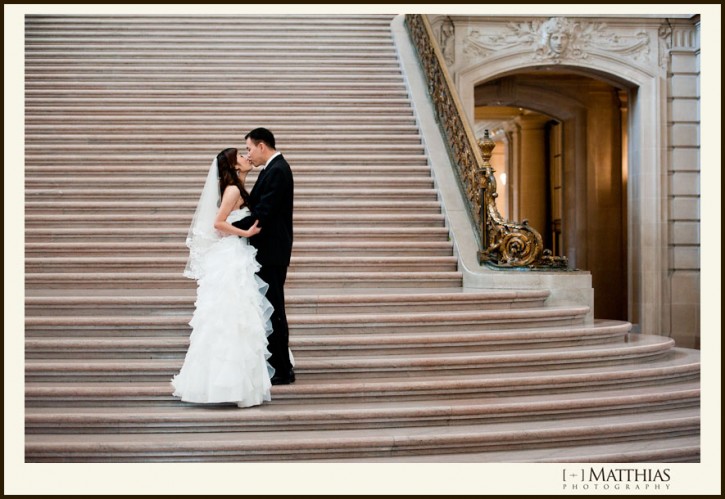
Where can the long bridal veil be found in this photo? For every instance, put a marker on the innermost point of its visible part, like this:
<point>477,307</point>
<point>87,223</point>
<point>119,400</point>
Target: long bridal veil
<point>202,234</point>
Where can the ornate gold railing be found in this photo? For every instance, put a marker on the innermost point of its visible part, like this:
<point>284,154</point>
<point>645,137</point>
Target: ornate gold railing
<point>503,244</point>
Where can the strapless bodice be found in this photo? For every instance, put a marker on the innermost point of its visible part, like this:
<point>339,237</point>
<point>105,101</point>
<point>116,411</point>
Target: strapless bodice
<point>237,215</point>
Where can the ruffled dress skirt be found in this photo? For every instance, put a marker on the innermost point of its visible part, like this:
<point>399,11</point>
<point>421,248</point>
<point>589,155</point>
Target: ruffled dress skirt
<point>227,360</point>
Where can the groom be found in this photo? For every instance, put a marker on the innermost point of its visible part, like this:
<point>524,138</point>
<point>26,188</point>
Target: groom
<point>271,202</point>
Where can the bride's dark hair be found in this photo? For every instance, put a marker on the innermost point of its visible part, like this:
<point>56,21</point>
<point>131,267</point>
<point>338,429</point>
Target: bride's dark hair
<point>226,161</point>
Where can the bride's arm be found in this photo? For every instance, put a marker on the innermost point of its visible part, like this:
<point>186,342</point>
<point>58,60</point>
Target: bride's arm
<point>230,199</point>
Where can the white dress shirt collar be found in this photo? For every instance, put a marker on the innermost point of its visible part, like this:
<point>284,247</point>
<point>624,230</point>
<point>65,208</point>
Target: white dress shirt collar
<point>270,159</point>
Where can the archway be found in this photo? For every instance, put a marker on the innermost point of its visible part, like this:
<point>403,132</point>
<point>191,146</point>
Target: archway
<point>494,47</point>
<point>566,169</point>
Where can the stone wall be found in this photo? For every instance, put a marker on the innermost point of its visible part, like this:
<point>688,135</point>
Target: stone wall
<point>683,130</point>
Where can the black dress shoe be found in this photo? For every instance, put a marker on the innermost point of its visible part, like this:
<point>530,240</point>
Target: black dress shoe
<point>284,380</point>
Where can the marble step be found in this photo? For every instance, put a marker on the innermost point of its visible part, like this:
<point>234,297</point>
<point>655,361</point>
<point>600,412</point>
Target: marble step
<point>199,86</point>
<point>673,449</point>
<point>195,30</point>
<point>301,219</point>
<point>240,104</point>
<point>71,92</point>
<point>388,442</point>
<point>204,53</point>
<point>295,142</point>
<point>196,181</point>
<point>323,220</point>
<point>122,23</point>
<point>672,367</point>
<point>343,323</point>
<point>204,120</point>
<point>323,42</point>
<point>309,207</point>
<point>169,50</point>
<point>373,366</point>
<point>321,264</point>
<point>284,130</point>
<point>148,280</point>
<point>192,194</point>
<point>292,74</point>
<point>310,113</point>
<point>84,145</point>
<point>199,35</point>
<point>178,233</point>
<point>85,77</point>
<point>338,345</point>
<point>296,303</point>
<point>364,168</point>
<point>200,158</point>
<point>345,247</point>
<point>336,416</point>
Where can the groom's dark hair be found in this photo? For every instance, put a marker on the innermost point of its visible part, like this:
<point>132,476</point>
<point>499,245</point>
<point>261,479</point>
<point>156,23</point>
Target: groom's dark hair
<point>261,135</point>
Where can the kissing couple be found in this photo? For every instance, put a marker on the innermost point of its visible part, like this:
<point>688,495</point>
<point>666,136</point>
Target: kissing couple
<point>240,244</point>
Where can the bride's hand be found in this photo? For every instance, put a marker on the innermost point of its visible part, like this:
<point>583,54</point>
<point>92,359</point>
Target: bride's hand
<point>254,229</point>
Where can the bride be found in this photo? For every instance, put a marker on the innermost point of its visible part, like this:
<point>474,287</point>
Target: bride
<point>227,356</point>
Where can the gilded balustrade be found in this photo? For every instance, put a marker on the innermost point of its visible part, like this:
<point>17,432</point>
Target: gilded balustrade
<point>503,244</point>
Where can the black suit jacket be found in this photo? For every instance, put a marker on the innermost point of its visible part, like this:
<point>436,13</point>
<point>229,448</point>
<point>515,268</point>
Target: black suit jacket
<point>271,202</point>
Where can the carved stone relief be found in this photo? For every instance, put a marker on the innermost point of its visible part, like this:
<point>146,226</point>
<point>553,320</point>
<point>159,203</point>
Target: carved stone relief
<point>556,39</point>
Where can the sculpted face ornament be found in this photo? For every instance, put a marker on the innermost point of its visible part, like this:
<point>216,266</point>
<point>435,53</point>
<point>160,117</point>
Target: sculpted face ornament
<point>557,35</point>
<point>558,42</point>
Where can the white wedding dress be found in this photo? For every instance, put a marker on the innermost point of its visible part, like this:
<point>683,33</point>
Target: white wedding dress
<point>227,356</point>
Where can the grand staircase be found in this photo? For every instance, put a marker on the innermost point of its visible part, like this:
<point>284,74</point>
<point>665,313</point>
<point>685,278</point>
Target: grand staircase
<point>395,360</point>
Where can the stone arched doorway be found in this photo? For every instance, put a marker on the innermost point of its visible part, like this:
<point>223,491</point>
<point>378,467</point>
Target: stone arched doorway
<point>566,169</point>
<point>493,48</point>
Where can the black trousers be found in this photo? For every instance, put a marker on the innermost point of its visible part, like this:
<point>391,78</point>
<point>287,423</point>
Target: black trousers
<point>275,276</point>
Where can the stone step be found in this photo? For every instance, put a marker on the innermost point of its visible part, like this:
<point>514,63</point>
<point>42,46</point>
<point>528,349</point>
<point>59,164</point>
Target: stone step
<point>301,171</point>
<point>281,129</point>
<point>170,49</point>
<point>675,366</point>
<point>637,347</point>
<point>192,194</point>
<point>298,264</point>
<point>322,80</point>
<point>309,207</point>
<point>328,416</point>
<point>673,449</point>
<point>303,111</point>
<point>150,102</point>
<point>301,248</point>
<point>150,86</point>
<point>293,75</point>
<point>295,303</point>
<point>195,181</point>
<point>143,45</point>
<point>190,34</point>
<point>302,219</point>
<point>380,442</point>
<point>302,57</point>
<point>300,31</point>
<point>121,23</point>
<point>369,37</point>
<point>195,159</point>
<point>149,280</point>
<point>340,120</point>
<point>375,324</point>
<point>297,143</point>
<point>179,232</point>
<point>306,344</point>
